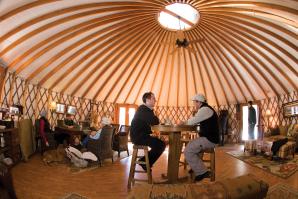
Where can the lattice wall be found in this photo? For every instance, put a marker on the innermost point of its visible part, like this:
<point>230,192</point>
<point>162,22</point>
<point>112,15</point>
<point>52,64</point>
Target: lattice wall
<point>177,114</point>
<point>274,104</point>
<point>34,99</point>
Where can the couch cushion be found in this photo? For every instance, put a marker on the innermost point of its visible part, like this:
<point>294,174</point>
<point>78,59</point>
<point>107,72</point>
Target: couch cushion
<point>291,130</point>
<point>245,187</point>
<point>237,188</point>
<point>283,130</point>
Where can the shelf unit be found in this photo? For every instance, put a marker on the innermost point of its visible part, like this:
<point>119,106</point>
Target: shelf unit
<point>12,144</point>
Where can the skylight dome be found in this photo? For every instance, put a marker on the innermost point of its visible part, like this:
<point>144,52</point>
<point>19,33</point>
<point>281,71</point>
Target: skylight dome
<point>178,16</point>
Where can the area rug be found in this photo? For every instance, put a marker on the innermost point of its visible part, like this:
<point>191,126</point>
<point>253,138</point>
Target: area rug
<point>74,196</point>
<point>281,168</point>
<point>282,191</point>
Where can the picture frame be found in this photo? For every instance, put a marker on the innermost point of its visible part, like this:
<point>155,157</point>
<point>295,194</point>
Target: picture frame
<point>290,109</point>
<point>60,108</point>
<point>13,110</point>
<point>71,109</point>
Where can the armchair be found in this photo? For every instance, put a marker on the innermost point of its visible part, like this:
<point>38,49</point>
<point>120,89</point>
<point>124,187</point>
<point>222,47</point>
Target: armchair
<point>120,140</point>
<point>102,147</point>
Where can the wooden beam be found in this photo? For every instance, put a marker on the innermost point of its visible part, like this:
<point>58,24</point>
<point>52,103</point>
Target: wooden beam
<point>25,95</point>
<point>3,73</point>
<point>178,17</point>
<point>152,54</point>
<point>11,88</point>
<point>36,114</point>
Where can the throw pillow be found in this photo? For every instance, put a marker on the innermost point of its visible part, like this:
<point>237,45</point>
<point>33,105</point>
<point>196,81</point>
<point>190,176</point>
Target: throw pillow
<point>274,131</point>
<point>291,130</point>
<point>283,130</point>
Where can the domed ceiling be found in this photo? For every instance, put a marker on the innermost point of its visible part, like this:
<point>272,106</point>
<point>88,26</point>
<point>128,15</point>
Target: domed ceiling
<point>115,51</point>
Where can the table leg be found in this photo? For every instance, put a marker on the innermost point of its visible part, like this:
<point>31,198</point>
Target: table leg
<point>175,147</point>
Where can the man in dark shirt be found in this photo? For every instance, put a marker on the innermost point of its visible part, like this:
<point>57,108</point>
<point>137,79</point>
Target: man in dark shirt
<point>140,130</point>
<point>251,120</point>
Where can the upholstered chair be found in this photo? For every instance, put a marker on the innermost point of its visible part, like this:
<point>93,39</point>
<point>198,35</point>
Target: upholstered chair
<point>102,147</point>
<point>120,140</point>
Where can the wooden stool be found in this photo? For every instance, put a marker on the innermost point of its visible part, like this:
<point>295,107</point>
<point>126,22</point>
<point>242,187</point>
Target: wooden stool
<point>134,161</point>
<point>210,162</point>
<point>185,139</point>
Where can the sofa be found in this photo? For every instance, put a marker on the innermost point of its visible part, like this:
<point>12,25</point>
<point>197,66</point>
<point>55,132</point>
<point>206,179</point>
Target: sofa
<point>281,132</point>
<point>242,187</point>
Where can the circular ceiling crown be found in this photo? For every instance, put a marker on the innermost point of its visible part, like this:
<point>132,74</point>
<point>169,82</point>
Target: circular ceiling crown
<point>178,16</point>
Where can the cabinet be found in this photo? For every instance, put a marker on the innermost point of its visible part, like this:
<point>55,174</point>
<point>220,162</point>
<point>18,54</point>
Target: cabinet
<point>12,144</point>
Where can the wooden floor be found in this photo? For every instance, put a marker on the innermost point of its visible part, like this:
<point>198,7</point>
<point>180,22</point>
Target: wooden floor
<point>35,180</point>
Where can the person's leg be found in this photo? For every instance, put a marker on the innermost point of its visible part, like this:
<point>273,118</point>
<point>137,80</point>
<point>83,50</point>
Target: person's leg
<point>157,148</point>
<point>191,152</point>
<point>251,128</point>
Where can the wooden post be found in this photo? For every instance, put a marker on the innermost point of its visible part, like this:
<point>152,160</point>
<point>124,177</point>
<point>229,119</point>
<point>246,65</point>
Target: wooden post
<point>13,82</point>
<point>36,114</point>
<point>3,73</point>
<point>26,92</point>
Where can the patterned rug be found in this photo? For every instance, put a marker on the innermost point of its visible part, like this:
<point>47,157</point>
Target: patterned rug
<point>280,168</point>
<point>282,191</point>
<point>74,196</point>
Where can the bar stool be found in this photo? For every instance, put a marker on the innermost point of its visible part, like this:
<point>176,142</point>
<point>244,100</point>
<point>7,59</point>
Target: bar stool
<point>134,161</point>
<point>210,163</point>
<point>185,139</point>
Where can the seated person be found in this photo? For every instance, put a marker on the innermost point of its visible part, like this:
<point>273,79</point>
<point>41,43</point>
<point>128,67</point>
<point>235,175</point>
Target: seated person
<point>68,121</point>
<point>95,134</point>
<point>77,143</point>
<point>45,129</point>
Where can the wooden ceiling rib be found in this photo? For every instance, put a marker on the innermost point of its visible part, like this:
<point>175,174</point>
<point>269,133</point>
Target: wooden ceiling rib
<point>110,43</point>
<point>231,30</point>
<point>152,47</point>
<point>84,26</point>
<point>145,43</point>
<point>115,50</point>
<point>132,45</point>
<point>75,45</point>
<point>110,53</point>
<point>216,46</point>
<point>242,56</point>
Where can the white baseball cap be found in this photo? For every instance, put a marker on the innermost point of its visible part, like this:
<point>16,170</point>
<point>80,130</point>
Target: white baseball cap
<point>199,97</point>
<point>105,121</point>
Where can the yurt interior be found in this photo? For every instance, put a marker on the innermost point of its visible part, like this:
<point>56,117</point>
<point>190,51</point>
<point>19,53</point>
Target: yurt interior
<point>139,99</point>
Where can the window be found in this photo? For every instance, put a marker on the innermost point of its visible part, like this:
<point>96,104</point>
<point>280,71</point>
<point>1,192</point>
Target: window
<point>245,122</point>
<point>125,113</point>
<point>178,16</point>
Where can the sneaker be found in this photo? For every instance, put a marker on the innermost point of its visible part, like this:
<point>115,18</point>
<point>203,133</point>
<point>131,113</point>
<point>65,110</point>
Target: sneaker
<point>207,174</point>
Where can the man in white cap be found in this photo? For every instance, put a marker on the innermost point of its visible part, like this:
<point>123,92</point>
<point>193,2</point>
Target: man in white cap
<point>207,118</point>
